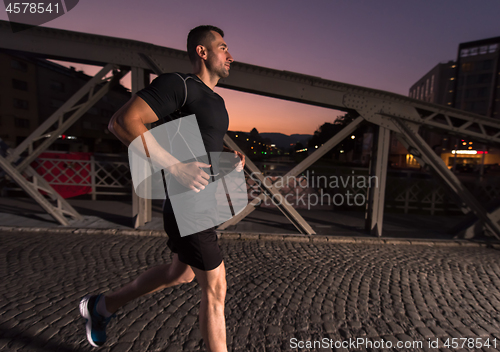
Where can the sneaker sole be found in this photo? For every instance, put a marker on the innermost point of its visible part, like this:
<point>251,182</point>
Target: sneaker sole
<point>84,312</point>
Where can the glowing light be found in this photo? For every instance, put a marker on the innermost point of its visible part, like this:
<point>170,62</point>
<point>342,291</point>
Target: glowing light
<point>464,152</point>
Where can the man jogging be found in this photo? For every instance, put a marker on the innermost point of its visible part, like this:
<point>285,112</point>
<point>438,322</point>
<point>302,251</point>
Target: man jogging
<point>197,255</point>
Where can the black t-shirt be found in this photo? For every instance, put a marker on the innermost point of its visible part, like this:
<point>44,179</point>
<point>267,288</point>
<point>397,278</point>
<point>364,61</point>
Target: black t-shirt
<point>174,95</point>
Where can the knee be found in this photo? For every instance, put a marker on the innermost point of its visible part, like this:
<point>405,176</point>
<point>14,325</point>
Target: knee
<point>180,277</point>
<point>184,278</point>
<point>187,278</point>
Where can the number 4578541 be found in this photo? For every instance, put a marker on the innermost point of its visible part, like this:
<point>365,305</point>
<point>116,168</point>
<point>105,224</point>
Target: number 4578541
<point>31,7</point>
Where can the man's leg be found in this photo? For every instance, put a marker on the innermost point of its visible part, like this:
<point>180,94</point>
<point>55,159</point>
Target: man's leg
<point>156,278</point>
<point>213,295</point>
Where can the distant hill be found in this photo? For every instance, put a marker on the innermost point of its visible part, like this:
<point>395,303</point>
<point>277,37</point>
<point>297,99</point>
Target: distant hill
<point>283,141</point>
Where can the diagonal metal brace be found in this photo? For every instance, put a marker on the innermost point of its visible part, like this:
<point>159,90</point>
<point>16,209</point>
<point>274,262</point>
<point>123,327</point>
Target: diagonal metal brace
<point>297,170</point>
<point>15,167</point>
<point>429,157</point>
<point>271,191</point>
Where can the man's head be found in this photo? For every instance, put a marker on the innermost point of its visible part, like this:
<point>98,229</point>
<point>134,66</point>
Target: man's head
<point>208,51</point>
<point>201,35</point>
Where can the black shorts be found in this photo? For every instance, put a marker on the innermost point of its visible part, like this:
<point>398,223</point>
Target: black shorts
<point>199,250</point>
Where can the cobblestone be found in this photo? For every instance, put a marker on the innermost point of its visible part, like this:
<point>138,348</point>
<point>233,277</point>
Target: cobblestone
<point>277,290</point>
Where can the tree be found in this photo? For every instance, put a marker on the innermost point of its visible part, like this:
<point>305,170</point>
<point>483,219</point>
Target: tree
<point>328,130</point>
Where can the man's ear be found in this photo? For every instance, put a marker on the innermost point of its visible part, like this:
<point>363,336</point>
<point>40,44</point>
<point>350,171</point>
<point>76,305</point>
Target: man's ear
<point>201,51</point>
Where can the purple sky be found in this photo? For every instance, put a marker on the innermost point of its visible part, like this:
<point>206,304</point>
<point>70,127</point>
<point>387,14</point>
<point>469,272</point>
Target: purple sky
<point>385,44</point>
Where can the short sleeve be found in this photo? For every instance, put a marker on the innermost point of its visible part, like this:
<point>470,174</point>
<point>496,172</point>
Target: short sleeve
<point>165,94</point>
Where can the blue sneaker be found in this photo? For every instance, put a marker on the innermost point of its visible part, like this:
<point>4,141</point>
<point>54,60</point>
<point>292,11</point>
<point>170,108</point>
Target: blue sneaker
<point>96,323</point>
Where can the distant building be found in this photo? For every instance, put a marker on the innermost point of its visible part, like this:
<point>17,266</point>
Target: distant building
<point>477,82</point>
<point>18,99</point>
<point>35,88</point>
<point>470,83</point>
<point>437,85</point>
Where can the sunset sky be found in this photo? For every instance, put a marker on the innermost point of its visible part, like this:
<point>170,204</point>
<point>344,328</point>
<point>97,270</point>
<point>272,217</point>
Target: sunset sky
<point>385,44</point>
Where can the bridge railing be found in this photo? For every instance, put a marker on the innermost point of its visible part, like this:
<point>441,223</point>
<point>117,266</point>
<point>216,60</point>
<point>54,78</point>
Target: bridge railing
<point>407,191</point>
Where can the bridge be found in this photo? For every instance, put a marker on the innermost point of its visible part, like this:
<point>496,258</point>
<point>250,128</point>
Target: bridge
<point>389,112</point>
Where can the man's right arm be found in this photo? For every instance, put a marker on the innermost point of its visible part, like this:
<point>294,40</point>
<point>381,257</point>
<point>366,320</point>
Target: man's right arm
<point>128,123</point>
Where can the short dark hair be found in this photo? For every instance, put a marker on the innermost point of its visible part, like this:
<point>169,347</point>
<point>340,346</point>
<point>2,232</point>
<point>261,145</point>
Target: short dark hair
<point>200,36</point>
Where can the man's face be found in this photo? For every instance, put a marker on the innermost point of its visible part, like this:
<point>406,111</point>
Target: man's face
<point>218,57</point>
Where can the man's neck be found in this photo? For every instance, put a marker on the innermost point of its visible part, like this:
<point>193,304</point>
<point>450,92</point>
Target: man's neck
<point>210,80</point>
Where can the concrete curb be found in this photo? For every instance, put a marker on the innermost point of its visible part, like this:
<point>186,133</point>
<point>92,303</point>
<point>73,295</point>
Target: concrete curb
<point>244,236</point>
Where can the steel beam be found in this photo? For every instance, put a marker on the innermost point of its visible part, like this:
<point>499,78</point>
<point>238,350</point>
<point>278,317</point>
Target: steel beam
<point>378,168</point>
<point>33,188</point>
<point>21,166</point>
<point>96,49</point>
<point>57,118</point>
<point>451,193</point>
<point>417,142</point>
<point>303,165</point>
<point>271,191</point>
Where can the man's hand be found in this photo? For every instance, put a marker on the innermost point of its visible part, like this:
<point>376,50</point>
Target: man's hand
<point>190,175</point>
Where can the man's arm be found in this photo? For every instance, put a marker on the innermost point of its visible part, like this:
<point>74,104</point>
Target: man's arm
<point>128,123</point>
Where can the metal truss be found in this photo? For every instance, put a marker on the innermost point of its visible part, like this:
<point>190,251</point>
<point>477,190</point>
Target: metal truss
<point>391,112</point>
<point>18,167</point>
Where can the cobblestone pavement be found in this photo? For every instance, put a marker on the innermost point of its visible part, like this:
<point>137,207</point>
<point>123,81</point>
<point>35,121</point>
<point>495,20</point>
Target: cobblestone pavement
<point>277,291</point>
